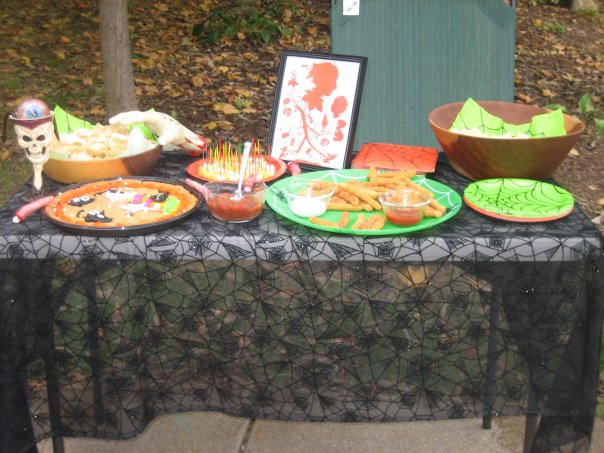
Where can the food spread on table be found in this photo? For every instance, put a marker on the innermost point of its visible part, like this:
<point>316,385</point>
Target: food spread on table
<point>385,192</point>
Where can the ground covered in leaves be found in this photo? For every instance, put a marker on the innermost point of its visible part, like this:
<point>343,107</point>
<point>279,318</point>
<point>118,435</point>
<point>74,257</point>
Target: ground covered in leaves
<point>225,89</point>
<point>560,60</point>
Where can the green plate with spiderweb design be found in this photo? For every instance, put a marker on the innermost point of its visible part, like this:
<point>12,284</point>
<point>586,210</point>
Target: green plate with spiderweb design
<point>442,193</point>
<point>519,200</point>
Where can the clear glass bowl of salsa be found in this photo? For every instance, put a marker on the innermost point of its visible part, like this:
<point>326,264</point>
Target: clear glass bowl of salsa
<point>225,205</point>
<point>404,207</point>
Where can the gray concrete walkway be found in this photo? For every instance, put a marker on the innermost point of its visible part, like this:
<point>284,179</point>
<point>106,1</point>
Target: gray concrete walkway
<point>206,432</point>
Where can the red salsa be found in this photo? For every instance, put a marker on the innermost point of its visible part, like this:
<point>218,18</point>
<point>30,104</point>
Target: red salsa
<point>225,207</point>
<point>404,217</point>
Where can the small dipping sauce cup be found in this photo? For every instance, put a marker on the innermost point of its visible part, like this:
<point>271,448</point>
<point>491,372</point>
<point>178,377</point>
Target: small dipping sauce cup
<point>308,198</point>
<point>224,205</point>
<point>404,207</point>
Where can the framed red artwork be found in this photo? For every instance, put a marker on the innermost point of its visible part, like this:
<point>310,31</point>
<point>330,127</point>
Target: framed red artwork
<point>315,108</point>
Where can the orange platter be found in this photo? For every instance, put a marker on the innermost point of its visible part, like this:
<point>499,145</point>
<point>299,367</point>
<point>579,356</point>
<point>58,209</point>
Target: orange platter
<point>269,168</point>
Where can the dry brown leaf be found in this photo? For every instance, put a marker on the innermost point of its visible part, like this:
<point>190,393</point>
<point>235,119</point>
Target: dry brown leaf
<point>151,90</point>
<point>244,92</point>
<point>227,109</point>
<point>210,126</point>
<point>250,56</point>
<point>197,81</point>
<point>26,61</point>
<point>525,98</point>
<point>547,73</point>
<point>99,111</point>
<point>5,154</point>
<point>225,125</point>
<point>547,92</point>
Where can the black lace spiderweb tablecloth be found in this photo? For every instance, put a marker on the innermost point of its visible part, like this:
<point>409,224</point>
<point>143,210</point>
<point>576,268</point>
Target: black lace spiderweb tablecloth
<point>271,319</point>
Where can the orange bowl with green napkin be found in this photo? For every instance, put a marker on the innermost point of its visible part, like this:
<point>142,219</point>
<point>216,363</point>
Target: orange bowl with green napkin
<point>497,139</point>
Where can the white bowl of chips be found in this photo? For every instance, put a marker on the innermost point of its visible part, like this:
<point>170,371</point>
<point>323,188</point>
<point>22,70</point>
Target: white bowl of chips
<point>101,153</point>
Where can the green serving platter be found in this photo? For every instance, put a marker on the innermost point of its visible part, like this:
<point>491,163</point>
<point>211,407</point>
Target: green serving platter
<point>442,193</point>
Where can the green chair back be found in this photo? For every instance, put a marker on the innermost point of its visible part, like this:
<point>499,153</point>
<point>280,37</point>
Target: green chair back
<point>422,54</point>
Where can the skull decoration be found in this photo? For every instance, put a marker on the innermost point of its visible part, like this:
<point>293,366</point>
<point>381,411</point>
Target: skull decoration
<point>35,141</point>
<point>34,128</point>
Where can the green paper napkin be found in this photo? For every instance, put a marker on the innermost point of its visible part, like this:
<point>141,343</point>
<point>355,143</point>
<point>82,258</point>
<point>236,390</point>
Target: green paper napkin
<point>66,123</point>
<point>473,116</point>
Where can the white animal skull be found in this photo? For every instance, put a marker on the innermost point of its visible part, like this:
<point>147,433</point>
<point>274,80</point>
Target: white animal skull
<point>35,141</point>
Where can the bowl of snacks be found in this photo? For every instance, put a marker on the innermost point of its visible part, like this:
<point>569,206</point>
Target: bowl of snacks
<point>496,139</point>
<point>101,152</point>
<point>404,207</point>
<point>308,198</point>
<point>226,204</point>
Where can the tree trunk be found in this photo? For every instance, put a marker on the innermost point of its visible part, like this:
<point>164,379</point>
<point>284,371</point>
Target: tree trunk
<point>117,58</point>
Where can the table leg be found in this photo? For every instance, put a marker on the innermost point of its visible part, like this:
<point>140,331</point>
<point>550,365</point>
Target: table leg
<point>48,353</point>
<point>16,430</point>
<point>89,279</point>
<point>493,352</point>
<point>54,405</point>
<point>531,422</point>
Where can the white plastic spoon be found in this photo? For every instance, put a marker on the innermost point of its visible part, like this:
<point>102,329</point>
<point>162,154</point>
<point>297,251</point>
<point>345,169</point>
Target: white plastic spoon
<point>238,195</point>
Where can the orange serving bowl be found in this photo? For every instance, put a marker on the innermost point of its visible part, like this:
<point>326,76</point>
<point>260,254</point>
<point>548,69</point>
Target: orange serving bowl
<point>484,157</point>
<point>68,171</point>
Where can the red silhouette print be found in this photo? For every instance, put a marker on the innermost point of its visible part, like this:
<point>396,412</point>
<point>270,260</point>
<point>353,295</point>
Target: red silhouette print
<point>339,106</point>
<point>311,128</point>
<point>324,77</point>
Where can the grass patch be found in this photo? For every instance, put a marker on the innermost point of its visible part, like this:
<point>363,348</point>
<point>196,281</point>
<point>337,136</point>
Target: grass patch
<point>14,172</point>
<point>13,83</point>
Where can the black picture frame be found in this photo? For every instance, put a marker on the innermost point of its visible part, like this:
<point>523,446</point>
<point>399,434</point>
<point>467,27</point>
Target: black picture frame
<point>315,109</point>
